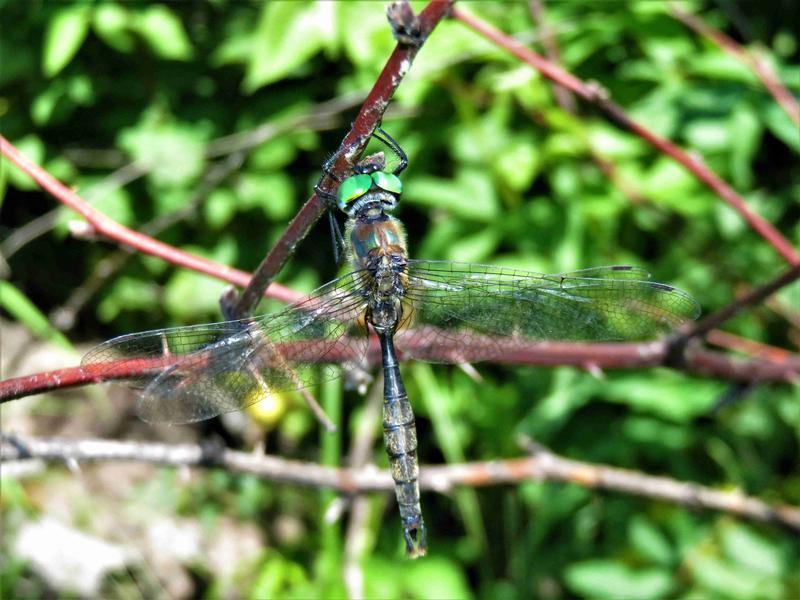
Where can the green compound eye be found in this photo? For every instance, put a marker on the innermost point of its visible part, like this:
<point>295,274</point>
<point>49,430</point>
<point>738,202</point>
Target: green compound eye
<point>388,181</point>
<point>352,188</point>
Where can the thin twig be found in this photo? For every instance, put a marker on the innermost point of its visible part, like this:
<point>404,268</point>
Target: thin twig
<point>598,96</point>
<point>564,97</point>
<point>541,465</point>
<point>760,67</point>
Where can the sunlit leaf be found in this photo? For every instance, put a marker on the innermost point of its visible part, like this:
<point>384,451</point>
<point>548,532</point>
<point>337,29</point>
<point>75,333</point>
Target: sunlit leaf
<point>601,578</point>
<point>164,32</point>
<point>21,308</point>
<point>64,37</point>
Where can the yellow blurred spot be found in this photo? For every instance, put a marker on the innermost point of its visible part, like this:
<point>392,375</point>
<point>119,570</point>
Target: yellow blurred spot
<point>269,409</point>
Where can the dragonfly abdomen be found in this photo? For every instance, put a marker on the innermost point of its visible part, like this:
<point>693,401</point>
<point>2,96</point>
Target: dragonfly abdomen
<point>400,438</point>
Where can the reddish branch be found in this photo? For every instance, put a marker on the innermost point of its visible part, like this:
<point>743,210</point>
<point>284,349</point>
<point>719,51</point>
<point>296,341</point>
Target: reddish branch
<point>103,225</point>
<point>352,146</point>
<point>762,70</point>
<point>541,465</point>
<point>548,354</point>
<point>596,95</point>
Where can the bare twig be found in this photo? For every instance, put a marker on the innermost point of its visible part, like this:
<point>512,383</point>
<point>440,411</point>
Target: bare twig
<point>541,465</point>
<point>760,67</point>
<point>353,144</point>
<point>599,97</point>
<point>564,97</point>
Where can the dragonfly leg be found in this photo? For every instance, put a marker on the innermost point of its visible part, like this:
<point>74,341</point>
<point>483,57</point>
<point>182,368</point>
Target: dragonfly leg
<point>380,135</point>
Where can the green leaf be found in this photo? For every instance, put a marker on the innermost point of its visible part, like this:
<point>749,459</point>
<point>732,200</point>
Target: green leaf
<point>723,579</point>
<point>477,247</point>
<point>782,127</point>
<point>518,163</point>
<point>63,38</point>
<point>287,36</point>
<point>751,550</point>
<point>708,135</point>
<point>603,578</point>
<point>368,44</point>
<point>127,293</point>
<point>25,311</point>
<point>220,207</point>
<point>44,104</point>
<point>274,193</point>
<point>31,148</point>
<point>746,129</point>
<point>613,143</point>
<point>437,577</point>
<point>471,195</point>
<point>650,541</point>
<point>172,152</point>
<point>111,23</point>
<point>719,65</point>
<point>665,393</point>
<point>164,33</point>
<point>191,297</point>
<point>670,184</point>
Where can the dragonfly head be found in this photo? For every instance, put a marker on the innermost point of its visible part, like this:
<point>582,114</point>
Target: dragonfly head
<point>369,187</point>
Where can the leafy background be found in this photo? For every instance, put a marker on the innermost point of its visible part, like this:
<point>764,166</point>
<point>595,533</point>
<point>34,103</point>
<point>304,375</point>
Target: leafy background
<point>127,103</point>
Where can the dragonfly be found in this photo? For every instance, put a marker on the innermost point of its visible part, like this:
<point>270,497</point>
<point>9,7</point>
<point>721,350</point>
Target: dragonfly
<point>438,311</point>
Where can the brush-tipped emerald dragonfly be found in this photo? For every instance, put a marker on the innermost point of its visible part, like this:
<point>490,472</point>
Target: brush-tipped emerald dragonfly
<point>430,310</point>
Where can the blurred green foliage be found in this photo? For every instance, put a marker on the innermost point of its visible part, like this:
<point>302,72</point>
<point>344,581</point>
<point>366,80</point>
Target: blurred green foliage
<point>131,103</point>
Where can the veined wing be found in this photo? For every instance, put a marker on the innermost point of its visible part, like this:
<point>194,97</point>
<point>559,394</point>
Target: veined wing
<point>489,310</point>
<point>193,373</point>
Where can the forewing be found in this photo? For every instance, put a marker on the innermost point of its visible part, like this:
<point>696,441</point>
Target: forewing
<point>488,310</point>
<point>188,374</point>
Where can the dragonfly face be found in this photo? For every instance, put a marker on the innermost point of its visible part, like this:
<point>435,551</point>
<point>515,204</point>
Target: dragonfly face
<point>437,311</point>
<point>359,191</point>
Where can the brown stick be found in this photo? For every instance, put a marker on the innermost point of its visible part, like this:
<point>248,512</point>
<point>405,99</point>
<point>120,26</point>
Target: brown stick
<point>541,465</point>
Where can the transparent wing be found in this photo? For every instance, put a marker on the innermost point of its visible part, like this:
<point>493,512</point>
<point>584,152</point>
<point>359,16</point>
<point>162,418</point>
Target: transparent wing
<point>488,310</point>
<point>189,374</point>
